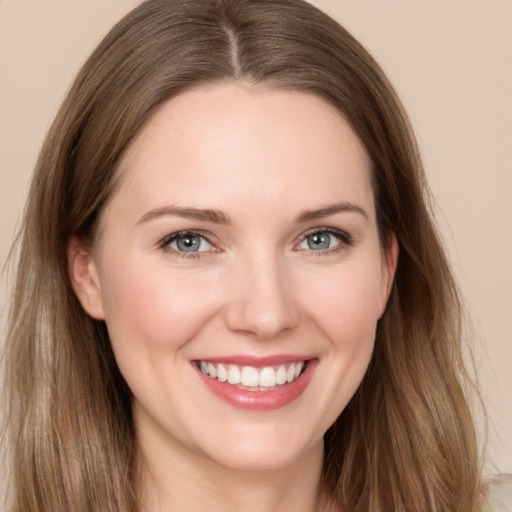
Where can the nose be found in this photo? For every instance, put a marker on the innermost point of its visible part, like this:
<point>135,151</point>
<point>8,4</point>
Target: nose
<point>261,298</point>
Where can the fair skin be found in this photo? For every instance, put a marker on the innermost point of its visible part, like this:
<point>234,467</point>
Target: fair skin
<point>277,262</point>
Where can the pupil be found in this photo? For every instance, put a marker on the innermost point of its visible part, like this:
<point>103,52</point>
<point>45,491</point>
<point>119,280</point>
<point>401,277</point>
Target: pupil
<point>319,241</point>
<point>188,243</point>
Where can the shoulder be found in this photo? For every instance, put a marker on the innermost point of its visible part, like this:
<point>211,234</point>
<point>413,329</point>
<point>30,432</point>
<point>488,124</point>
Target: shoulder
<point>499,493</point>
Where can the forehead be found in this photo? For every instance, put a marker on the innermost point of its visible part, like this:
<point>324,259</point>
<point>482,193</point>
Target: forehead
<point>265,143</point>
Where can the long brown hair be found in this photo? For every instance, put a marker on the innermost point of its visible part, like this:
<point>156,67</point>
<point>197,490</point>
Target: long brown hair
<point>406,440</point>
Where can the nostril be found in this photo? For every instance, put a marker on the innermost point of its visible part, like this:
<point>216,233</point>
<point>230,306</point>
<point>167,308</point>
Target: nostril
<point>263,321</point>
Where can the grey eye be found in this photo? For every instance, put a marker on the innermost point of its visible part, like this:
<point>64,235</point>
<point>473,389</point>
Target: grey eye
<point>189,242</point>
<point>319,241</point>
<point>324,240</point>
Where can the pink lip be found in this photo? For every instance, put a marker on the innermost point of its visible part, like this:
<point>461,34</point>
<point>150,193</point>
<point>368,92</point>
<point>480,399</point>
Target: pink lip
<point>259,400</point>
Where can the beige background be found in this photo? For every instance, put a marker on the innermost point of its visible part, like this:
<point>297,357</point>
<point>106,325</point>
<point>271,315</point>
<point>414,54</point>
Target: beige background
<point>451,64</point>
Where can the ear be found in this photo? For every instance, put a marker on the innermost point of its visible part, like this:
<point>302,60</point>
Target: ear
<point>389,263</point>
<point>84,278</point>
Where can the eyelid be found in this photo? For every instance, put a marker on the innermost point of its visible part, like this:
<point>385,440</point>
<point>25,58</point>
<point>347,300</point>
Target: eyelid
<point>184,232</point>
<point>168,239</point>
<point>346,240</point>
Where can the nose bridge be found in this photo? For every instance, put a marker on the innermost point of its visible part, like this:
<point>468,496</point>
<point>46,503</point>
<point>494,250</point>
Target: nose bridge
<point>261,299</point>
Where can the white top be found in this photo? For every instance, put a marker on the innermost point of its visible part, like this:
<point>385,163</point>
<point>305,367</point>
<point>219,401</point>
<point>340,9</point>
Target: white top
<point>500,493</point>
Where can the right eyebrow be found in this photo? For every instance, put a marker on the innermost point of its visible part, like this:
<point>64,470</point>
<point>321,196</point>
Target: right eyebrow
<point>189,212</point>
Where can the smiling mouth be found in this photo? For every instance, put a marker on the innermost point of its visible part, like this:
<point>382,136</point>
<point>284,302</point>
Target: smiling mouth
<point>251,378</point>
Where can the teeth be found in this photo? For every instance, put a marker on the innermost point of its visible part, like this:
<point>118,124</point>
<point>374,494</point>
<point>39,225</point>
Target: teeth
<point>233,374</point>
<point>212,370</point>
<point>267,377</point>
<point>222,373</point>
<point>251,378</point>
<point>280,375</point>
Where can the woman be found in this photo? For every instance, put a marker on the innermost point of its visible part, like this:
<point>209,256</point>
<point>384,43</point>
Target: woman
<point>230,292</point>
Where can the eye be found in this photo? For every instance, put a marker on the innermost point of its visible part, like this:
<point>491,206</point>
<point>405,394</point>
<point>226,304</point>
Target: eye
<point>324,240</point>
<point>187,242</point>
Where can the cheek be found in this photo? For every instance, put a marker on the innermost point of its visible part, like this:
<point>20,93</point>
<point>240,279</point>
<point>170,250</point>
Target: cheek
<point>345,303</point>
<point>341,305</point>
<point>148,308</point>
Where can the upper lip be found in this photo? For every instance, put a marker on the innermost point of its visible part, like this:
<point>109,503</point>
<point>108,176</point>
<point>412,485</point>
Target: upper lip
<point>258,361</point>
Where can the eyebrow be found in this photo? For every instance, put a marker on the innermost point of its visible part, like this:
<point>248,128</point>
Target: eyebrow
<point>201,214</point>
<point>219,217</point>
<point>332,209</point>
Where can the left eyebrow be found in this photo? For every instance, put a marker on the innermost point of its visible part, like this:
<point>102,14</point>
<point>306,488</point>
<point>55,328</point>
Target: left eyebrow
<point>331,209</point>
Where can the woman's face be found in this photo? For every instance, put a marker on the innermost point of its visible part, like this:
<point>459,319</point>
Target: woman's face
<point>239,272</point>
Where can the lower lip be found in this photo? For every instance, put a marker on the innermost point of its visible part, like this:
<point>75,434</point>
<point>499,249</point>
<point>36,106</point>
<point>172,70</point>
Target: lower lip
<point>260,400</point>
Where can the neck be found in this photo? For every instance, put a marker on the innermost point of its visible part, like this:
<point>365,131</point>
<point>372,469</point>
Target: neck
<point>174,479</point>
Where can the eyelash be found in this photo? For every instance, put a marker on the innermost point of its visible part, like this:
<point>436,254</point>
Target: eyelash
<point>345,241</point>
<point>166,241</point>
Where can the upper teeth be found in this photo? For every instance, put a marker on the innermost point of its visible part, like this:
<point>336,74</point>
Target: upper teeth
<point>252,377</point>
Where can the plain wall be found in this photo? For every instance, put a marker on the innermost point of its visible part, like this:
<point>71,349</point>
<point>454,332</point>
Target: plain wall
<point>450,62</point>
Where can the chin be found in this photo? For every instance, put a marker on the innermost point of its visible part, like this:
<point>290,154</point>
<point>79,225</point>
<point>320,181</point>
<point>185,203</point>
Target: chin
<point>253,451</point>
